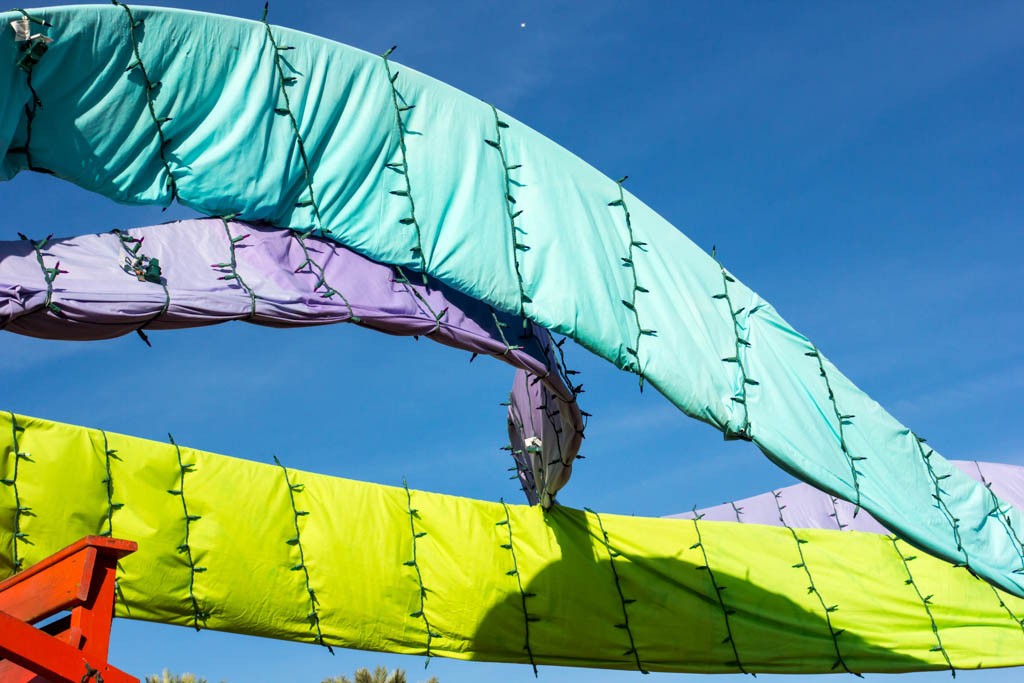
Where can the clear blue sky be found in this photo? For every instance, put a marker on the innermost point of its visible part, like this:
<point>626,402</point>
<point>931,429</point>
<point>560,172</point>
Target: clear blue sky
<point>857,164</point>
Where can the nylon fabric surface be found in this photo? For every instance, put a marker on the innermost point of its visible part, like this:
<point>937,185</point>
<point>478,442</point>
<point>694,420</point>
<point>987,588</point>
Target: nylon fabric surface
<point>202,272</point>
<point>237,117</point>
<point>255,548</point>
<point>808,508</point>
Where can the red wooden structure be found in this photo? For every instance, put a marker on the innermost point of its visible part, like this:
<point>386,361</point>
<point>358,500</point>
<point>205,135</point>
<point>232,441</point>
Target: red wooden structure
<point>72,649</point>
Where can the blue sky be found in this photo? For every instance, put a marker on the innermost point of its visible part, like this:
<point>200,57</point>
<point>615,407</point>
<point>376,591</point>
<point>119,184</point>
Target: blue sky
<point>854,164</point>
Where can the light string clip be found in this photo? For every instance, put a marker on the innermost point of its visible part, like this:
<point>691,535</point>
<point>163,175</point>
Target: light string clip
<point>842,420</point>
<point>500,326</point>
<point>511,211</point>
<point>296,542</point>
<point>629,261</point>
<point>421,302</point>
<point>109,454</point>
<point>939,492</point>
<point>835,513</point>
<point>741,345</point>
<point>49,273</point>
<point>20,511</point>
<point>402,111</point>
<point>623,600</point>
<point>827,609</point>
<point>421,613</point>
<point>523,593</point>
<point>736,510</point>
<point>229,268</point>
<point>284,82</point>
<point>145,269</point>
<point>32,48</point>
<point>151,89</point>
<point>718,588</point>
<point>1000,511</point>
<point>198,614</point>
<point>926,601</point>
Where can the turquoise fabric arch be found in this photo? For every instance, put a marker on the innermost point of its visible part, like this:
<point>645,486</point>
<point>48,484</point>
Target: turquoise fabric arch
<point>237,117</point>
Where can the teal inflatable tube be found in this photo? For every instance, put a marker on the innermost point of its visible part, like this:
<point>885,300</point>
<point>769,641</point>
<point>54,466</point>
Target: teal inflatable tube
<point>240,118</point>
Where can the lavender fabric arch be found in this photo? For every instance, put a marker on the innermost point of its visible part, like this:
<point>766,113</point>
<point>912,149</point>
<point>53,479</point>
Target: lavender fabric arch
<point>201,272</point>
<point>803,507</point>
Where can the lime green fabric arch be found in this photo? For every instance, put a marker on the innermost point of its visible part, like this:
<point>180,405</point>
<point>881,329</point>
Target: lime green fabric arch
<point>254,548</point>
<point>237,117</point>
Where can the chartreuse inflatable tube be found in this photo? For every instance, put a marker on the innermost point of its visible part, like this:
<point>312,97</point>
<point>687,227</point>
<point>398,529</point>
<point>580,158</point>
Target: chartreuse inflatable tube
<point>255,548</point>
<point>263,123</point>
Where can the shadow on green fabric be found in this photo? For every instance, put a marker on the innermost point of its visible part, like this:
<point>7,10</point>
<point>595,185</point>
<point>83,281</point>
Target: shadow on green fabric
<point>665,617</point>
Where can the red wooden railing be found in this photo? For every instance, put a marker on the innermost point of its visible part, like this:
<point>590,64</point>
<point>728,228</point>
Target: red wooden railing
<point>73,649</point>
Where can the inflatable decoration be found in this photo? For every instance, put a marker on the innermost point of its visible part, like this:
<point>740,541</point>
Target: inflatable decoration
<point>193,273</point>
<point>340,186</point>
<point>242,119</point>
<point>808,508</point>
<point>342,563</point>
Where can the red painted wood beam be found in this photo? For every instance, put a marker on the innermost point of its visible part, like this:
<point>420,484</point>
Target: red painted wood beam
<point>79,579</point>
